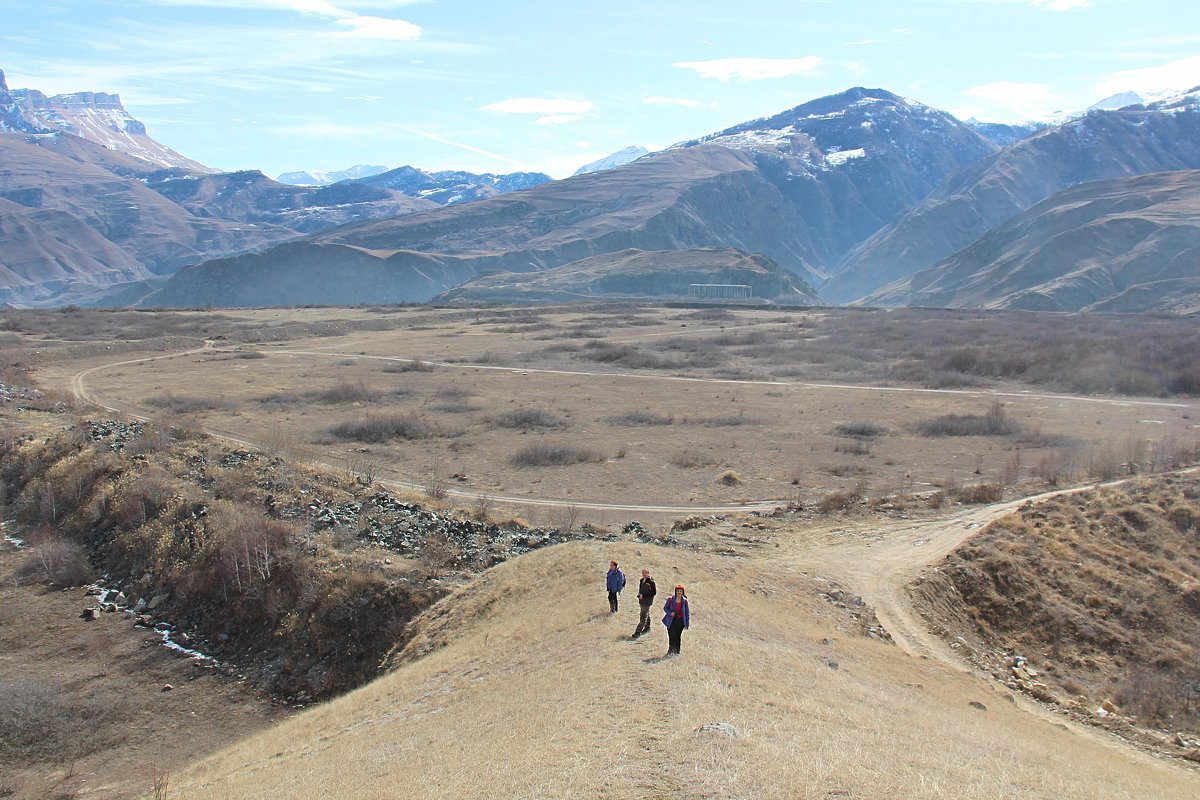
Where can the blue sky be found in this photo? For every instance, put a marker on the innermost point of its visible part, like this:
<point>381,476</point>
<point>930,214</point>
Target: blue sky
<point>282,85</point>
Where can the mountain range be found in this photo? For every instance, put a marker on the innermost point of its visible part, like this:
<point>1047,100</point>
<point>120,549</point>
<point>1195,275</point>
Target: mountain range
<point>865,195</point>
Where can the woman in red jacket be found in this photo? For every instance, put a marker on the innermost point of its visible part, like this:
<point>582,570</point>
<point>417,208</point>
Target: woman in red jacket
<point>676,619</point>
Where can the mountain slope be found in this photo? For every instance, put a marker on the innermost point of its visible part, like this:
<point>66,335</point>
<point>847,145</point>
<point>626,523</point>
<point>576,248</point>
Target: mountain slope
<point>1130,245</point>
<point>801,188</point>
<point>304,178</point>
<point>637,273</point>
<point>450,187</point>
<point>1099,146</point>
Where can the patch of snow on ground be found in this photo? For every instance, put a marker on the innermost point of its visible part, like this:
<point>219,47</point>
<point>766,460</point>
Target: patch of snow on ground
<point>771,138</point>
<point>840,157</point>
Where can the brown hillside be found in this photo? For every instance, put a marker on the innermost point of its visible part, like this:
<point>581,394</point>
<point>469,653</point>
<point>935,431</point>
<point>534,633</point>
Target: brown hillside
<point>1100,591</point>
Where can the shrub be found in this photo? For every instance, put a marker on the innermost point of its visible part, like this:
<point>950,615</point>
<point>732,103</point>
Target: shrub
<point>346,392</point>
<point>730,478</point>
<point>415,365</point>
<point>693,458</point>
<point>994,423</point>
<point>529,418</point>
<point>544,454</point>
<point>860,430</point>
<point>642,418</point>
<point>385,428</point>
<point>185,404</point>
<point>980,493</point>
<point>41,723</point>
<point>57,560</point>
<point>852,447</point>
<point>837,501</point>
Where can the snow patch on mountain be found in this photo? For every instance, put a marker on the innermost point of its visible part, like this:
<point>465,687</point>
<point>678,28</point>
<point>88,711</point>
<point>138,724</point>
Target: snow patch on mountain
<point>620,158</point>
<point>840,157</point>
<point>315,178</point>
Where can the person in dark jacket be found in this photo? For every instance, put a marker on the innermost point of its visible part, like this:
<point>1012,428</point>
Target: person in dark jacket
<point>676,619</point>
<point>615,583</point>
<point>646,592</point>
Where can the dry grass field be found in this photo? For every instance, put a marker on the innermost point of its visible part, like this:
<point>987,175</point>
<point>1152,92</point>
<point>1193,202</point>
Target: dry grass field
<point>651,409</point>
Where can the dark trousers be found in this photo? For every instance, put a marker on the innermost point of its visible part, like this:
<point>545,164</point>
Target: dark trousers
<point>674,634</point>
<point>643,622</point>
<point>612,602</point>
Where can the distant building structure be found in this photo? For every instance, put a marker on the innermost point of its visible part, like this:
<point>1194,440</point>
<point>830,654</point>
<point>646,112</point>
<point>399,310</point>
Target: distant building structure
<point>720,291</point>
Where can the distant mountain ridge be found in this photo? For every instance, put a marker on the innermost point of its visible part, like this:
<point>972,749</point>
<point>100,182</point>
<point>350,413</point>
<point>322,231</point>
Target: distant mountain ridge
<point>800,188</point>
<point>451,187</point>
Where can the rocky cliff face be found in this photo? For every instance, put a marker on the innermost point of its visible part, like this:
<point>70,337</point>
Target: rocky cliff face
<point>1098,146</point>
<point>1131,244</point>
<point>100,118</point>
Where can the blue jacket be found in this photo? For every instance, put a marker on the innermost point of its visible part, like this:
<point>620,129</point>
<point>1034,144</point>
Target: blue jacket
<point>616,579</point>
<point>669,607</point>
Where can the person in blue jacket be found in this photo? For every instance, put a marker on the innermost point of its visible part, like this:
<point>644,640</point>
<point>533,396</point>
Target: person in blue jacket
<point>676,618</point>
<point>615,583</point>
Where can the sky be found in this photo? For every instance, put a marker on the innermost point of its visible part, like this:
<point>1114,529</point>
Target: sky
<point>540,85</point>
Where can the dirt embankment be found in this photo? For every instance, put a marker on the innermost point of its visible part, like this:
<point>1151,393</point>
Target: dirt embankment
<point>1090,601</point>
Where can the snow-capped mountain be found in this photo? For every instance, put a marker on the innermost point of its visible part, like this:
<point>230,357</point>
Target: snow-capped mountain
<point>617,159</point>
<point>325,178</point>
<point>451,187</point>
<point>99,118</point>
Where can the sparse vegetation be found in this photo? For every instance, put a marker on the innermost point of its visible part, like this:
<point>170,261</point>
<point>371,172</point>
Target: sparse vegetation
<point>189,404</point>
<point>994,423</point>
<point>387,427</point>
<point>529,419</point>
<point>547,454</point>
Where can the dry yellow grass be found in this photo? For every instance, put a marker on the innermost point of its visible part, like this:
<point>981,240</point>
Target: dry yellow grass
<point>522,685</point>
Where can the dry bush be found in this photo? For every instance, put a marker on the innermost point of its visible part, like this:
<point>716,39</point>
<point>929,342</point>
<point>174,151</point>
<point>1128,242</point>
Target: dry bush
<point>189,404</point>
<point>42,723</point>
<point>57,560</point>
<point>853,447</point>
<point>994,423</point>
<point>626,355</point>
<point>386,427</point>
<point>860,429</point>
<point>529,419</point>
<point>725,421</point>
<point>838,501</point>
<point>347,392</point>
<point>415,365</point>
<point>980,493</point>
<point>642,418</point>
<point>730,478</point>
<point>693,458</point>
<point>546,454</point>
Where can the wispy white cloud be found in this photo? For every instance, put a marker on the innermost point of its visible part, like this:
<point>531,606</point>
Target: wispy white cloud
<point>1181,74</point>
<point>538,105</point>
<point>470,148</point>
<point>366,27</point>
<point>676,101</point>
<point>751,69</point>
<point>861,43</point>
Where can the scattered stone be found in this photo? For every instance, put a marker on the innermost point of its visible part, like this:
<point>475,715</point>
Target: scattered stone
<point>166,687</point>
<point>1109,706</point>
<point>157,601</point>
<point>90,614</point>
<point>829,662</point>
<point>978,706</point>
<point>1193,755</point>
